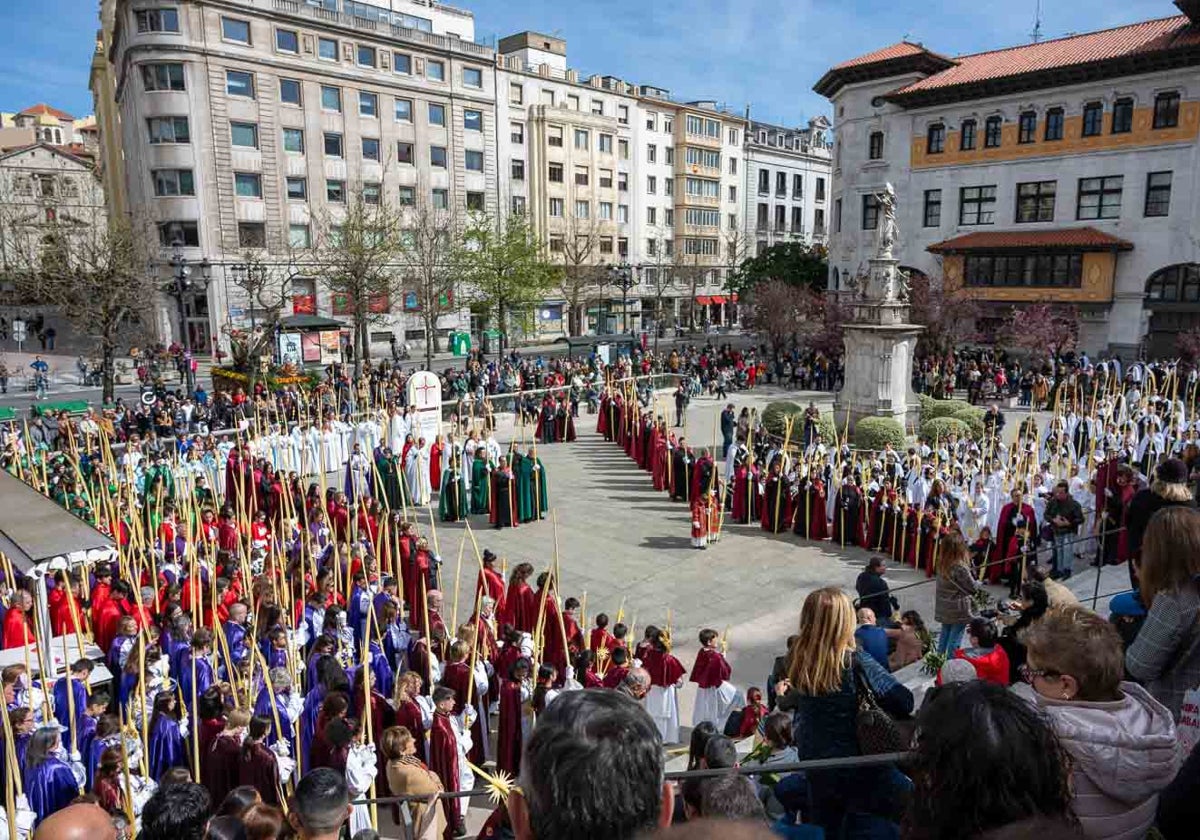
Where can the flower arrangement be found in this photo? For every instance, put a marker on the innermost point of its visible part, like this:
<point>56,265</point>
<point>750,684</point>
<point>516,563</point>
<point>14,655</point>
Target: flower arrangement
<point>932,662</point>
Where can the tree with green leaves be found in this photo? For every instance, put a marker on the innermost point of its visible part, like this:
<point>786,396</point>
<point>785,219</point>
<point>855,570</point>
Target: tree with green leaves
<point>505,267</point>
<point>357,252</point>
<point>794,263</point>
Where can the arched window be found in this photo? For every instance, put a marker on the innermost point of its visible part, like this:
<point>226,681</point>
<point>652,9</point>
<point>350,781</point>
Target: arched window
<point>1174,284</point>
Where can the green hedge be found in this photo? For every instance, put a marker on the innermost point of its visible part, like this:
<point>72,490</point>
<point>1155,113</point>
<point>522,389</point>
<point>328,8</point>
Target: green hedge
<point>940,429</point>
<point>775,415</point>
<point>873,432</point>
<point>830,434</point>
<point>973,417</point>
<point>932,409</point>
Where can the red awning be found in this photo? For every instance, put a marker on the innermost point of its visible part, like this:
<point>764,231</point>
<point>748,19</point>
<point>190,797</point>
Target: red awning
<point>703,300</point>
<point>718,298</point>
<point>1068,239</point>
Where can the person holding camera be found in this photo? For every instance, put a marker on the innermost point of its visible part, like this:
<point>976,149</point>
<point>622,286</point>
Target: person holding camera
<point>1064,516</point>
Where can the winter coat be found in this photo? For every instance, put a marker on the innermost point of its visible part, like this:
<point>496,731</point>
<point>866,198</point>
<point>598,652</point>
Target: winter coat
<point>1123,753</point>
<point>952,597</point>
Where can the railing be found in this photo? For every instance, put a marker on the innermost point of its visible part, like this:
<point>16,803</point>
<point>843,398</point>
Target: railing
<point>368,17</point>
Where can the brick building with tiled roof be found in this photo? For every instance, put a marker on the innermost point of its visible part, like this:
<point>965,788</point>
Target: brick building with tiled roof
<point>1059,171</point>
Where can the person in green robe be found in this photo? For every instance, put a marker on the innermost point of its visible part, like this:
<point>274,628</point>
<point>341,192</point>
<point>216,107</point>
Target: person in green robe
<point>481,482</point>
<point>387,478</point>
<point>531,486</point>
<point>452,499</point>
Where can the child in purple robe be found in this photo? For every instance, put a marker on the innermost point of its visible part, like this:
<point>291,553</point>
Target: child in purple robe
<point>167,731</point>
<point>50,783</point>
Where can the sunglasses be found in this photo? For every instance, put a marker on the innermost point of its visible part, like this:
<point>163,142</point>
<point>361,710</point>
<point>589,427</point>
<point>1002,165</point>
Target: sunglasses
<point>1030,674</point>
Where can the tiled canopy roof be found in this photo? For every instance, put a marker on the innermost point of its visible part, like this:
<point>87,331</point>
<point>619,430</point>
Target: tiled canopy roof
<point>42,109</point>
<point>1077,239</point>
<point>902,49</point>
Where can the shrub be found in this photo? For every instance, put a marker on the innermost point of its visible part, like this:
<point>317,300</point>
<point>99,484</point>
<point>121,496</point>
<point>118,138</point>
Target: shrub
<point>873,432</point>
<point>932,409</point>
<point>776,414</point>
<point>973,417</point>
<point>830,433</point>
<point>940,429</point>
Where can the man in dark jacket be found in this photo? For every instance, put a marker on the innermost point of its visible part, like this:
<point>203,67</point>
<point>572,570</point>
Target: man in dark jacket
<point>1168,489</point>
<point>728,425</point>
<point>1064,515</point>
<point>872,591</point>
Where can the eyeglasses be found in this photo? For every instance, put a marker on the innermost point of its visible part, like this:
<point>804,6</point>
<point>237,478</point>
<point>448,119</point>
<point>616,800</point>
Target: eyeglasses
<point>1030,674</point>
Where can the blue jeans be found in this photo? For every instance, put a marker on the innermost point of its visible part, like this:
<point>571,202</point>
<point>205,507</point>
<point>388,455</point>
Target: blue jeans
<point>949,637</point>
<point>1063,561</point>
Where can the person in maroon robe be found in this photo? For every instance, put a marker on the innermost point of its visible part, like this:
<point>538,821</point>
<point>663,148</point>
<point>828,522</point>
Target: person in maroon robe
<point>257,766</point>
<point>408,711</point>
<point>220,766</point>
<point>776,501</point>
<point>617,669</point>
<point>382,716</point>
<point>1016,538</point>
<point>491,581</point>
<point>520,605</point>
<point>457,676</point>
<point>335,706</point>
<point>746,500</point>
<point>554,641</point>
<point>818,525</point>
<point>515,691</point>
<point>443,756</point>
<point>502,511</point>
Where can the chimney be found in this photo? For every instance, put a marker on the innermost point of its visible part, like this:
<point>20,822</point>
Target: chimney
<point>1191,8</point>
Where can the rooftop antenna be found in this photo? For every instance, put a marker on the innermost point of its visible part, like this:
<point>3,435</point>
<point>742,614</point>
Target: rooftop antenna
<point>1036,34</point>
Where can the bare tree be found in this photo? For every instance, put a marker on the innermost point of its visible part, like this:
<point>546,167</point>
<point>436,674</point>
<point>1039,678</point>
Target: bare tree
<point>357,252</point>
<point>267,289</point>
<point>430,240</point>
<point>658,278</point>
<point>690,274</point>
<point>581,276</point>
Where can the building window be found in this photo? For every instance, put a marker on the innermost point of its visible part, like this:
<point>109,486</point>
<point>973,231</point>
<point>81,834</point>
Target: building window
<point>1166,110</point>
<point>556,208</point>
<point>473,160</point>
<point>405,153</point>
<point>606,245</point>
<point>475,201</point>
<point>733,162</point>
<point>652,153</point>
<point>335,192</point>
<point>933,208</point>
<point>732,194</point>
<point>157,20</point>
<point>1093,119</point>
<point>582,140</point>
<point>402,63</point>
<point>299,236</point>
<point>1027,127</point>
<point>441,199</point>
<point>243,135</point>
<point>327,49</point>
<point>162,77</point>
<point>820,196</point>
<point>875,146</point>
<point>518,170</point>
<point>366,56</point>
<point>556,244</point>
<point>622,247</point>
<point>606,211</point>
<point>168,130</point>
<point>797,220</point>
<point>764,182</point>
<point>583,209</point>
<point>555,173</point>
<point>371,193</point>
<point>991,132</point>
<point>239,83</point>
<point>1122,118</point>
<point>293,141</point>
<point>623,114</point>
<point>1158,193</point>
<point>1037,270</point>
<point>598,107</point>
<point>404,110</point>
<point>290,92</point>
<point>604,144</point>
<point>966,136</point>
<point>518,205</point>
<point>935,139</point>
<point>797,187</point>
<point>368,105</point>
<point>297,189</point>
<point>472,120</point>
<point>651,185</point>
<point>622,182</point>
<point>370,148</point>
<point>1054,124</point>
<point>762,216</point>
<point>870,212</point>
<point>623,214</point>
<point>252,235</point>
<point>407,196</point>
<point>437,114</point>
<point>472,77</point>
<point>1100,198</point>
<point>623,149</point>
<point>333,144</point>
<point>581,176</point>
<point>235,30</point>
<point>977,205</point>
<point>516,93</point>
<point>554,136</point>
<point>437,156</point>
<point>186,234</point>
<point>247,184</point>
<point>287,40</point>
<point>781,185</point>
<point>331,98</point>
<point>517,134</point>
<point>172,182</point>
<point>606,179</point>
<point>697,217</point>
<point>1035,201</point>
<point>435,71</point>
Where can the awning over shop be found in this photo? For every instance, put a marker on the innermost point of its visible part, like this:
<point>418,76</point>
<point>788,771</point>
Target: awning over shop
<point>719,299</point>
<point>703,300</point>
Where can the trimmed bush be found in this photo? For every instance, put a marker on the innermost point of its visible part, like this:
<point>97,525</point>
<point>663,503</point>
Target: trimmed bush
<point>940,429</point>
<point>830,434</point>
<point>932,409</point>
<point>973,417</point>
<point>776,414</point>
<point>873,432</point>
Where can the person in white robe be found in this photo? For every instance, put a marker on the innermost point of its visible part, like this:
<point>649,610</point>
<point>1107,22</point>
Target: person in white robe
<point>412,475</point>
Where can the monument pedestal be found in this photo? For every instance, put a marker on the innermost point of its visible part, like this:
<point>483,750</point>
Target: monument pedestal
<point>880,345</point>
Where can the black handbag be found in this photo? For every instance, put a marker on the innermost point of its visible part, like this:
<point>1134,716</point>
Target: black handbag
<point>877,732</point>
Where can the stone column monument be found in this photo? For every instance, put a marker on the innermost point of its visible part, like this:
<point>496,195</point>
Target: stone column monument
<point>879,340</point>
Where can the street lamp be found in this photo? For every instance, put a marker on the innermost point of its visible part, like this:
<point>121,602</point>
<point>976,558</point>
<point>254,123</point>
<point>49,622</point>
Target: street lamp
<point>182,287</point>
<point>622,277</point>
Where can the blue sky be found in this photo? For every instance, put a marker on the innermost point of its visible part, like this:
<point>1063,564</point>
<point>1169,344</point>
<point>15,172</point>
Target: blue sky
<point>765,53</point>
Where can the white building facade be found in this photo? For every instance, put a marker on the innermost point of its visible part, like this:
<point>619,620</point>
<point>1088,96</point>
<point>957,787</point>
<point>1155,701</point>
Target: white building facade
<point>788,179</point>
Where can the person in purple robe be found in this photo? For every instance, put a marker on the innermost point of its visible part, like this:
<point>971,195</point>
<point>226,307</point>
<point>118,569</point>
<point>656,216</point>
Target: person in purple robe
<point>107,734</point>
<point>23,725</point>
<point>80,671</point>
<point>396,639</point>
<point>122,644</point>
<point>275,648</point>
<point>329,676</point>
<point>181,643</point>
<point>166,746</point>
<point>322,646</point>
<point>50,783</point>
<point>281,688</point>
<point>385,677</point>
<point>85,732</point>
<point>356,610</point>
<point>196,665</point>
<point>235,635</point>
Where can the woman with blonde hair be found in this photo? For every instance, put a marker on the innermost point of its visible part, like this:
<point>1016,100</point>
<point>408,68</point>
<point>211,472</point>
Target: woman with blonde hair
<point>1121,740</point>
<point>821,691</point>
<point>1165,656</point>
<point>955,588</point>
<point>408,775</point>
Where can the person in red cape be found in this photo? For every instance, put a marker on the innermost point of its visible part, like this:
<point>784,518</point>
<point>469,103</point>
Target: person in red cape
<point>984,652</point>
<point>618,667</point>
<point>600,637</point>
<point>709,672</point>
<point>574,634</point>
<point>457,675</point>
<point>1016,534</point>
<point>219,764</point>
<point>18,631</point>
<point>65,606</point>
<point>847,511</point>
<point>666,675</point>
<point>515,691</point>
<point>408,708</point>
<point>443,757</point>
<point>520,604</point>
<point>101,591</point>
<point>435,462</point>
<point>818,525</point>
<point>491,581</point>
<point>746,501</point>
<point>700,521</point>
<point>753,713</point>
<point>658,459</point>
<point>554,645</point>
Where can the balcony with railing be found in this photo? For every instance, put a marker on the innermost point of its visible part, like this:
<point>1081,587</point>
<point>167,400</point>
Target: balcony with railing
<point>385,22</point>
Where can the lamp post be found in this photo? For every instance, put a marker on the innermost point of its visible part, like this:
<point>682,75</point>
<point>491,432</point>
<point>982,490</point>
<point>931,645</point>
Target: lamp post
<point>182,286</point>
<point>622,277</point>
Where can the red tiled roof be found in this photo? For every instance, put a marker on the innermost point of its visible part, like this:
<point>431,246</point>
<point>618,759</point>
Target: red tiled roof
<point>1149,36</point>
<point>1079,239</point>
<point>902,49</point>
<point>43,108</point>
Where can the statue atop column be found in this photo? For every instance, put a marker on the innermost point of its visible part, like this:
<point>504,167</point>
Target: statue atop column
<point>887,228</point>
